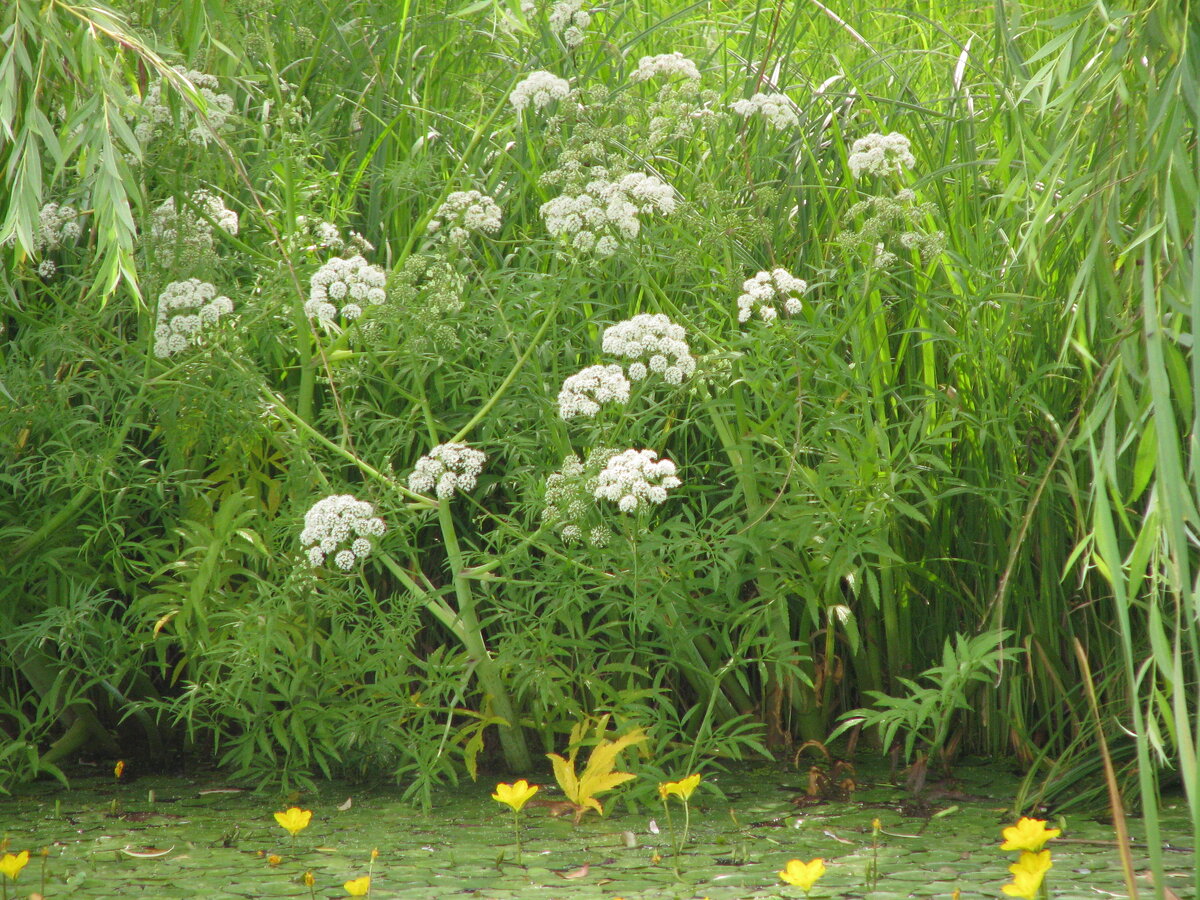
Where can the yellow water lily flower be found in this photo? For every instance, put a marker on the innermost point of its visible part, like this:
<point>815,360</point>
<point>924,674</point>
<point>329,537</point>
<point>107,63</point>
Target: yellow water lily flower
<point>514,795</point>
<point>1029,835</point>
<point>294,820</point>
<point>682,789</point>
<point>1028,872</point>
<point>12,864</point>
<point>359,887</point>
<point>803,874</point>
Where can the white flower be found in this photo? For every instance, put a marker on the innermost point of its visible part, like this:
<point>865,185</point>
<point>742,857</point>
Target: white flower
<point>583,392</point>
<point>185,310</point>
<point>464,212</point>
<point>445,469</point>
<point>880,154</point>
<point>668,65</point>
<point>190,230</point>
<point>539,90</point>
<point>58,224</point>
<point>340,278</point>
<point>605,204</point>
<point>777,109</point>
<point>761,293</point>
<point>157,114</point>
<point>335,520</point>
<point>636,478</point>
<point>568,19</point>
<point>655,343</point>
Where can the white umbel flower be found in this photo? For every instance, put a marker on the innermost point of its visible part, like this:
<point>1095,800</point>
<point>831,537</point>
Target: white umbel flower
<point>539,90</point>
<point>349,282</point>
<point>606,210</point>
<point>340,527</point>
<point>764,292</point>
<point>568,20</point>
<point>583,392</point>
<point>635,478</point>
<point>464,212</point>
<point>777,109</point>
<point>445,469</point>
<point>185,310</point>
<point>192,227</point>
<point>881,154</point>
<point>157,114</point>
<point>655,344</point>
<point>665,65</point>
<point>58,224</point>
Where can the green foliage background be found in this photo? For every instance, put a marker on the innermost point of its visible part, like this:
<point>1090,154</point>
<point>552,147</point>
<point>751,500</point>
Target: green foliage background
<point>997,438</point>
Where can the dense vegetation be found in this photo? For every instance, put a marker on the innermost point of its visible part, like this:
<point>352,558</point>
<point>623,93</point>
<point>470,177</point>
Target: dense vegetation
<point>950,422</point>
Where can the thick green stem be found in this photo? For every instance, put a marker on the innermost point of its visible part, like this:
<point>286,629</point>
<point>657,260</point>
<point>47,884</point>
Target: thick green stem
<point>512,740</point>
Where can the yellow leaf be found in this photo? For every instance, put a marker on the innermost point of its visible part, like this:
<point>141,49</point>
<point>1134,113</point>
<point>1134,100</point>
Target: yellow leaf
<point>599,775</point>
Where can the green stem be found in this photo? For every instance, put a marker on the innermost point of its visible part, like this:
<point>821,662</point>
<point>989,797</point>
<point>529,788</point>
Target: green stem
<point>512,741</point>
<point>517,832</point>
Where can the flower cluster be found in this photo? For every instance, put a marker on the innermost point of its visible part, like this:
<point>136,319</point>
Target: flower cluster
<point>880,154</point>
<point>185,308</point>
<point>187,234</point>
<point>539,90</point>
<point>464,212</point>
<point>317,234</point>
<point>336,521</point>
<point>777,109</point>
<point>570,499</point>
<point>157,114</point>
<point>606,209</point>
<point>764,290</point>
<point>350,282</point>
<point>634,478</point>
<point>897,218</point>
<point>655,343</point>
<point>666,65</point>
<point>568,20</point>
<point>58,224</point>
<point>445,469</point>
<point>677,110</point>
<point>583,392</point>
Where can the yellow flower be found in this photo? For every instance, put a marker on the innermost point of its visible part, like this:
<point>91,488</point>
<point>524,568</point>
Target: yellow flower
<point>514,795</point>
<point>682,789</point>
<point>274,860</point>
<point>876,826</point>
<point>1028,872</point>
<point>119,768</point>
<point>294,820</point>
<point>359,887</point>
<point>309,879</point>
<point>12,865</point>
<point>1028,835</point>
<point>803,874</point>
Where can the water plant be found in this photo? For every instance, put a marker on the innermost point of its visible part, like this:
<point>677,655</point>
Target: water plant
<point>683,789</point>
<point>803,874</point>
<point>1029,837</point>
<point>245,271</point>
<point>11,865</point>
<point>599,774</point>
<point>294,820</point>
<point>515,796</point>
